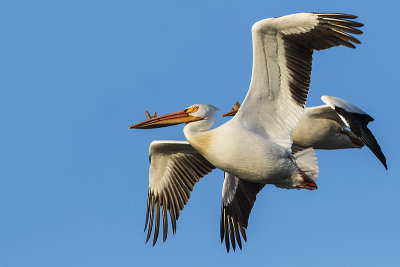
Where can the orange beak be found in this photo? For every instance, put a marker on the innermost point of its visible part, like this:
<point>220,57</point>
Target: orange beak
<point>166,120</point>
<point>230,113</point>
<point>233,111</point>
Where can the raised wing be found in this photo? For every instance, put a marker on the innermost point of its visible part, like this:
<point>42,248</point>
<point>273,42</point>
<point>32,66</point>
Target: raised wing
<point>282,57</point>
<point>356,120</point>
<point>175,167</point>
<point>238,197</point>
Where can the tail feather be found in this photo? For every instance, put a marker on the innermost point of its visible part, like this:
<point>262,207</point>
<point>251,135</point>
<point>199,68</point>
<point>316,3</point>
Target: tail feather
<point>306,160</point>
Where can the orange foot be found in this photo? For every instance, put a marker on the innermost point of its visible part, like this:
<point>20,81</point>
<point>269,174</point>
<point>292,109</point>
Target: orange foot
<point>308,183</point>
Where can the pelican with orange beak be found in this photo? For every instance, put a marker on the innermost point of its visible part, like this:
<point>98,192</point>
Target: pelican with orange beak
<point>255,145</point>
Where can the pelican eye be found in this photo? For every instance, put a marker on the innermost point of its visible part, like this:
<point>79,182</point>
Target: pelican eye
<point>192,109</point>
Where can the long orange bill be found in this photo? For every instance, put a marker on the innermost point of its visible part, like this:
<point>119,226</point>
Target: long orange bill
<point>233,111</point>
<point>230,113</point>
<point>165,120</point>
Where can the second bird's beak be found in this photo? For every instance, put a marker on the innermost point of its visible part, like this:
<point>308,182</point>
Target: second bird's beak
<point>166,120</point>
<point>233,111</point>
<point>230,113</point>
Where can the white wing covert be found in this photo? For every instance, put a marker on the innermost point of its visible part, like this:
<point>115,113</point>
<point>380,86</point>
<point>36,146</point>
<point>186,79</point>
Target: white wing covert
<point>282,58</point>
<point>323,112</point>
<point>175,167</point>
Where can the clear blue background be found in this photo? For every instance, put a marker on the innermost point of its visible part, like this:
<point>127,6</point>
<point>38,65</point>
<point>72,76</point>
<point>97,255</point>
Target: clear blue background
<point>74,178</point>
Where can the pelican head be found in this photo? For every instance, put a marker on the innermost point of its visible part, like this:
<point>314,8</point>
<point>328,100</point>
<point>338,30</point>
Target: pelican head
<point>196,112</point>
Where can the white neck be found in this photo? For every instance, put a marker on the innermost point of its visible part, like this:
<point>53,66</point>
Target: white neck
<point>198,134</point>
<point>199,126</point>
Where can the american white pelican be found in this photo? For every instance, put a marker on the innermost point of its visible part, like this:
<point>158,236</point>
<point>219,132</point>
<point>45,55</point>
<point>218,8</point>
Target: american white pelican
<point>255,145</point>
<point>336,125</point>
<point>321,127</point>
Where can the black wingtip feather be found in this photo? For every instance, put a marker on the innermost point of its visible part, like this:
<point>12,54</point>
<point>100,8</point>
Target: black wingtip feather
<point>157,226</point>
<point>358,125</point>
<point>369,140</point>
<point>221,229</point>
<point>151,218</point>
<point>147,211</point>
<point>165,218</point>
<point>337,15</point>
<point>226,233</point>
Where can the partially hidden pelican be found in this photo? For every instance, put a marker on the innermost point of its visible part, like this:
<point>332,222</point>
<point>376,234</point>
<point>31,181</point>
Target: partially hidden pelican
<point>336,125</point>
<point>255,145</point>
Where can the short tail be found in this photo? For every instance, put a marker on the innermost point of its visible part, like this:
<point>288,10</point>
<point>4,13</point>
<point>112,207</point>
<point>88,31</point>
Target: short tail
<point>307,162</point>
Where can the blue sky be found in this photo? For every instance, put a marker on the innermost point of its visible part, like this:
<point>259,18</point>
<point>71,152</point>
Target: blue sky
<point>74,178</point>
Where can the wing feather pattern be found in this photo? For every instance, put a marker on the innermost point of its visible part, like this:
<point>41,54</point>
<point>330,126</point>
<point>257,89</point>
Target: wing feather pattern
<point>238,197</point>
<point>356,120</point>
<point>175,167</point>
<point>282,59</point>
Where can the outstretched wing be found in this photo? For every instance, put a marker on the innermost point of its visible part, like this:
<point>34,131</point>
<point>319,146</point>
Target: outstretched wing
<point>238,197</point>
<point>356,120</point>
<point>282,57</point>
<point>175,167</point>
